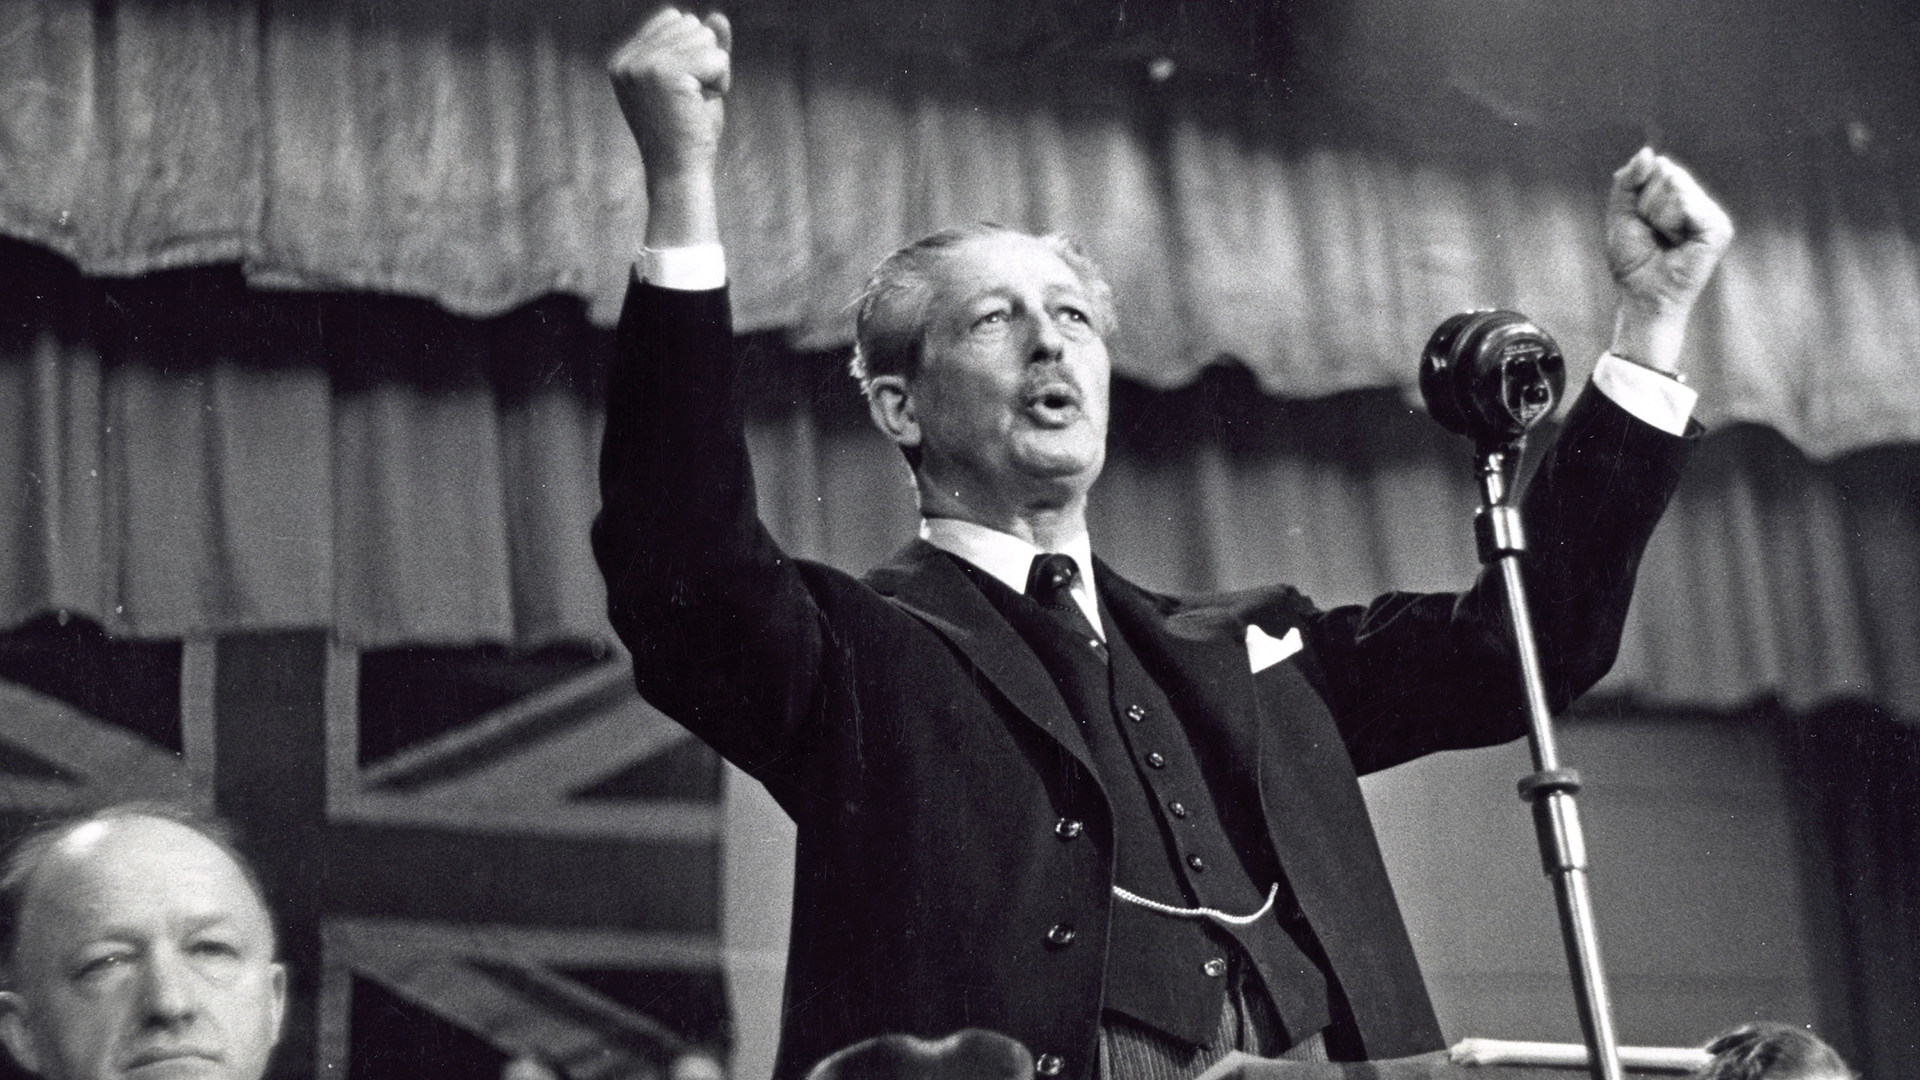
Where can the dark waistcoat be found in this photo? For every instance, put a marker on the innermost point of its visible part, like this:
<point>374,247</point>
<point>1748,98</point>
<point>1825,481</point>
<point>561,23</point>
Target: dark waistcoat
<point>1172,845</point>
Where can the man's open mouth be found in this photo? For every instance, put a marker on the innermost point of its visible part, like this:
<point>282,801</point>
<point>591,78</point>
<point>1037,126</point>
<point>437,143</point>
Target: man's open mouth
<point>1053,404</point>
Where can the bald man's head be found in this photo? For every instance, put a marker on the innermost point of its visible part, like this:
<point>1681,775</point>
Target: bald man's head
<point>137,947</point>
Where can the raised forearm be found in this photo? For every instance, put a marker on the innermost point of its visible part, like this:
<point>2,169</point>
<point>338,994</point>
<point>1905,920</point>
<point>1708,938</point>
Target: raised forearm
<point>724,635</point>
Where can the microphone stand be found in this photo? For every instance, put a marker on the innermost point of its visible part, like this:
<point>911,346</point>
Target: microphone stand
<point>1551,786</point>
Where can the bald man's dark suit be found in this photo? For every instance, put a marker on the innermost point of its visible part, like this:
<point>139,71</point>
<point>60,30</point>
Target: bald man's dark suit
<point>926,756</point>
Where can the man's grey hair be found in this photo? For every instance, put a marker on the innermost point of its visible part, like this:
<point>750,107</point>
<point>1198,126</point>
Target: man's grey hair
<point>890,314</point>
<point>26,855</point>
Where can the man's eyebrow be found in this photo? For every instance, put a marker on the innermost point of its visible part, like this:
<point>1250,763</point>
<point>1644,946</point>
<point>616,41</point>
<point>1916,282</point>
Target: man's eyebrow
<point>86,949</point>
<point>973,302</point>
<point>1011,293</point>
<point>192,924</point>
<point>213,919</point>
<point>102,936</point>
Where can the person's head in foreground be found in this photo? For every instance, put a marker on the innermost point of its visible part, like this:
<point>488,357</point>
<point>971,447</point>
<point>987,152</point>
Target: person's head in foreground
<point>135,943</point>
<point>983,354</point>
<point>971,1054</point>
<point>1769,1051</point>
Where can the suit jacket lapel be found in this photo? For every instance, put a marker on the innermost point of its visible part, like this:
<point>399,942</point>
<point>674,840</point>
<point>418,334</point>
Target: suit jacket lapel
<point>1199,658</point>
<point>924,580</point>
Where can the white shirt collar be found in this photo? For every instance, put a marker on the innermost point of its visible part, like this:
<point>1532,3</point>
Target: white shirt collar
<point>1008,558</point>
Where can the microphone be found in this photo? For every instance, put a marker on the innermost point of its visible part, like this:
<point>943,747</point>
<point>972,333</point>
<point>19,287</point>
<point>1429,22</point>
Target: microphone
<point>1491,375</point>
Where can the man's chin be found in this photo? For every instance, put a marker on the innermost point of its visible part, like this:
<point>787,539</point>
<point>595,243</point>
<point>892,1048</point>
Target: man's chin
<point>1064,455</point>
<point>1066,470</point>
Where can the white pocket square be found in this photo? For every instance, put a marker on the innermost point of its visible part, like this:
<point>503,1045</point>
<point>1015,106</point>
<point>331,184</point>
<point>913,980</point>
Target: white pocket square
<point>1264,650</point>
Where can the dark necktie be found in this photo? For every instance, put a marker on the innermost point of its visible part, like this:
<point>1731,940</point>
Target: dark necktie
<point>1050,583</point>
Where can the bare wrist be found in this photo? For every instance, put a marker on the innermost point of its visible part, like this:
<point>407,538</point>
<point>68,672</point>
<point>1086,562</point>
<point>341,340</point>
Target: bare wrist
<point>1651,338</point>
<point>681,208</point>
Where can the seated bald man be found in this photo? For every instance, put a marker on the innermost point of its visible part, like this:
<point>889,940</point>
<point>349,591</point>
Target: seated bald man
<point>135,942</point>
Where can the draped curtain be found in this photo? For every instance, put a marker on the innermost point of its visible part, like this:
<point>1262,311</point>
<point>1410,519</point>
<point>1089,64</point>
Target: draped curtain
<point>189,456</point>
<point>468,152</point>
<point>1852,772</point>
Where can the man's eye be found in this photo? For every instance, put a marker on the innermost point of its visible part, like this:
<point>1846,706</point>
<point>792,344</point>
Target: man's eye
<point>1074,314</point>
<point>101,965</point>
<point>991,318</point>
<point>214,948</point>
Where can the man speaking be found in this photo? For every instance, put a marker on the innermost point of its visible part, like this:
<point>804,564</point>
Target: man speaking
<point>1031,796</point>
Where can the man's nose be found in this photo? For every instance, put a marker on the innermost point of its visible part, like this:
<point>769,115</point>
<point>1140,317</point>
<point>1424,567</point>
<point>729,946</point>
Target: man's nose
<point>166,989</point>
<point>1048,343</point>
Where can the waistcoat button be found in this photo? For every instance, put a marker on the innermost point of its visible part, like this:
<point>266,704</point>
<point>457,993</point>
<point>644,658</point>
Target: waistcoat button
<point>1060,934</point>
<point>1214,968</point>
<point>1048,1065</point>
<point>1156,760</point>
<point>1067,828</point>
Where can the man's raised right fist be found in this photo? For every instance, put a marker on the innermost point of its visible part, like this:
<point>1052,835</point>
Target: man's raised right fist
<point>670,78</point>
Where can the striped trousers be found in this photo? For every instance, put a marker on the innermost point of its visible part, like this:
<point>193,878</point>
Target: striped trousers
<point>1131,1051</point>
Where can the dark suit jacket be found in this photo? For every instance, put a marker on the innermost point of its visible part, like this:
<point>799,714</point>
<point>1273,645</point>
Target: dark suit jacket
<point>926,756</point>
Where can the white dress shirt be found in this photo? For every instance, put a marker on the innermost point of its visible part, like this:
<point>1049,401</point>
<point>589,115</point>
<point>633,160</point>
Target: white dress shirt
<point>1010,558</point>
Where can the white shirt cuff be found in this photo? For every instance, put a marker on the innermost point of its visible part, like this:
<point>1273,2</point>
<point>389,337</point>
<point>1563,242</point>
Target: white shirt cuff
<point>692,269</point>
<point>1660,400</point>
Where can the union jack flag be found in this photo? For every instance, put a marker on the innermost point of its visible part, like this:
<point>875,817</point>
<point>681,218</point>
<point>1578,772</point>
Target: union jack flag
<point>474,854</point>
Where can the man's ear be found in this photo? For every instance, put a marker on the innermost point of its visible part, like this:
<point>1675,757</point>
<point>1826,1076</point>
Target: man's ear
<point>279,977</point>
<point>14,1032</point>
<point>890,402</point>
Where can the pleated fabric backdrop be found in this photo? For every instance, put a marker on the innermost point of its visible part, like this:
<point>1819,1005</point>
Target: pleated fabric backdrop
<point>470,153</point>
<point>191,457</point>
